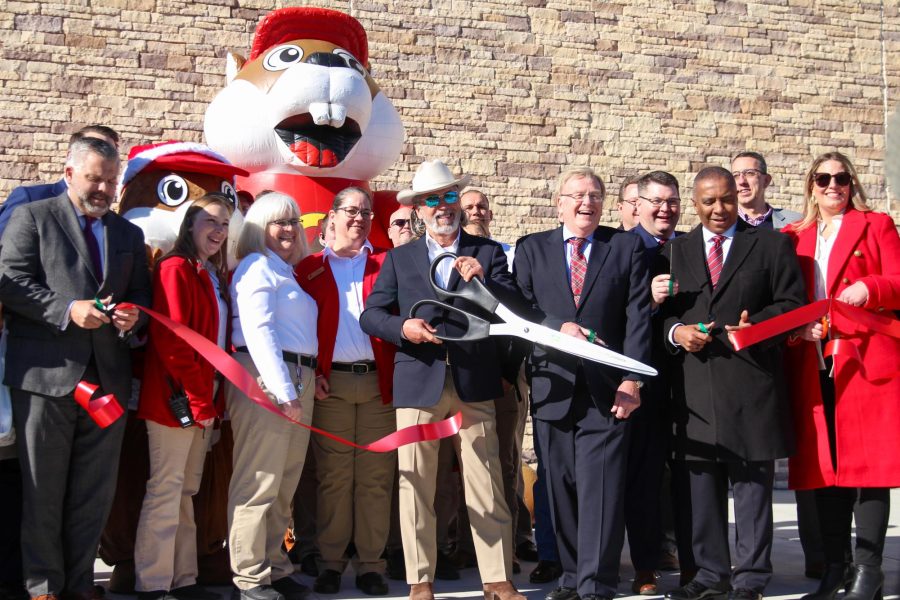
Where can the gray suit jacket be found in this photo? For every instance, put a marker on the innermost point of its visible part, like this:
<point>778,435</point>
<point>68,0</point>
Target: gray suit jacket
<point>44,266</point>
<point>782,217</point>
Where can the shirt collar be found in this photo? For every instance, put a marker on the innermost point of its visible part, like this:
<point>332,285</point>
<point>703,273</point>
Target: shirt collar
<point>755,221</point>
<point>436,248</point>
<point>708,235</point>
<point>278,263</point>
<point>367,246</point>
<point>567,235</point>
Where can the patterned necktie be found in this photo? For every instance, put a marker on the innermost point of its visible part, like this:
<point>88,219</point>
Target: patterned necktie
<point>715,260</point>
<point>578,267</point>
<point>93,247</point>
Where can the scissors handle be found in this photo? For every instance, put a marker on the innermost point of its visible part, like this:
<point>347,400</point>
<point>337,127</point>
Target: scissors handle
<point>474,291</point>
<point>476,327</point>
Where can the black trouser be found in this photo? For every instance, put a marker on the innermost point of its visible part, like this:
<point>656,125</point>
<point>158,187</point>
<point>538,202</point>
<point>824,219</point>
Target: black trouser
<point>11,523</point>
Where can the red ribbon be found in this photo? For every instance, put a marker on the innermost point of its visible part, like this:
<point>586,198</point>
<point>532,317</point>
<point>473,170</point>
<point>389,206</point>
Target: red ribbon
<point>238,375</point>
<point>105,410</point>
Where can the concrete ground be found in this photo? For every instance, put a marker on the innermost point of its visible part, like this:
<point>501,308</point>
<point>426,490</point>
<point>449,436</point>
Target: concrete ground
<point>788,581</point>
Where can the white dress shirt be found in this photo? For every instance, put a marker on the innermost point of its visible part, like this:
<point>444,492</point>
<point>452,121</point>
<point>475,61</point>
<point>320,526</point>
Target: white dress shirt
<point>272,314</point>
<point>351,344</point>
<point>445,267</point>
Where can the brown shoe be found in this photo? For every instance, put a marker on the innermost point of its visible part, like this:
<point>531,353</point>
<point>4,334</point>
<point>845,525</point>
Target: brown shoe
<point>45,597</point>
<point>502,590</point>
<point>421,591</point>
<point>644,583</point>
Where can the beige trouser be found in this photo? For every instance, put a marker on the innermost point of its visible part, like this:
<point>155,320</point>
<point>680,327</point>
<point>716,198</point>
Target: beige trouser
<point>268,457</point>
<point>165,549</point>
<point>354,501</point>
<point>477,447</point>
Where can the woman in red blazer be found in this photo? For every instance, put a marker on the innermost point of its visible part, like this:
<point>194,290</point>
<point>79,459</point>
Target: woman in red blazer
<point>189,286</point>
<point>847,417</point>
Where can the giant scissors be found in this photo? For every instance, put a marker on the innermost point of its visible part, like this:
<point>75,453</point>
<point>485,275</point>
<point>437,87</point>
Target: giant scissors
<point>478,329</point>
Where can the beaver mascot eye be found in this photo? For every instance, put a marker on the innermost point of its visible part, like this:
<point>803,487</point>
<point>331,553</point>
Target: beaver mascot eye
<point>281,57</point>
<point>228,190</point>
<point>172,190</point>
<point>351,61</point>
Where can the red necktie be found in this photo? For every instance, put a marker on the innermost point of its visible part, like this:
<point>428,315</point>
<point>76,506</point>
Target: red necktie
<point>715,260</point>
<point>93,247</point>
<point>578,267</point>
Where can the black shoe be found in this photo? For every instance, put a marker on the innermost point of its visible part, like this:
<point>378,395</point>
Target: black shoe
<point>695,590</point>
<point>371,584</point>
<point>868,583</point>
<point>290,588</point>
<point>527,551</point>
<point>260,592</point>
<point>562,593</point>
<point>444,568</point>
<point>836,576</point>
<point>595,597</point>
<point>154,595</point>
<point>744,594</point>
<point>194,592</point>
<point>546,571</point>
<point>328,582</point>
<point>309,565</point>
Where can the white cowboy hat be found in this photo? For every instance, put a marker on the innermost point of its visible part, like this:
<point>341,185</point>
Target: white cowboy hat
<point>432,175</point>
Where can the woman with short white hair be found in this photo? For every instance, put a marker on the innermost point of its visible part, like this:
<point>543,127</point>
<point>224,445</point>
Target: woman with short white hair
<point>274,333</point>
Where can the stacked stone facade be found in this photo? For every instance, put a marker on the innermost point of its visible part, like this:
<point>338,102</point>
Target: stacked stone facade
<point>511,91</point>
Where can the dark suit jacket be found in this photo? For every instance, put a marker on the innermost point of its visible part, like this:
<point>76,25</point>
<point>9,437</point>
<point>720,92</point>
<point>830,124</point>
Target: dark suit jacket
<point>44,266</point>
<point>731,405</point>
<point>28,193</point>
<point>615,302</point>
<point>420,369</point>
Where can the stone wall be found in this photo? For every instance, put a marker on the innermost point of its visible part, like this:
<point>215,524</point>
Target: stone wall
<point>511,91</point>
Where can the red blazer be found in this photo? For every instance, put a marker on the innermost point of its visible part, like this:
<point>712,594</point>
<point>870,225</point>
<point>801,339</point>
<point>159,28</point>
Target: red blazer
<point>867,413</point>
<point>183,291</point>
<point>314,275</point>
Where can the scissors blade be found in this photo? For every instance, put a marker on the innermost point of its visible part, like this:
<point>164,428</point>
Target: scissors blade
<point>539,334</point>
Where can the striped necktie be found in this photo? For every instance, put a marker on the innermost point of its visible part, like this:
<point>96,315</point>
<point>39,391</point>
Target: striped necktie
<point>715,260</point>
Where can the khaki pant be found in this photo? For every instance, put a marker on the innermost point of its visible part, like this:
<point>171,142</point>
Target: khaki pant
<point>354,501</point>
<point>268,457</point>
<point>165,549</point>
<point>478,449</point>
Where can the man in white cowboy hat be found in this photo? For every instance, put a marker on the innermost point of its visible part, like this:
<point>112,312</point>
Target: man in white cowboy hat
<point>434,380</point>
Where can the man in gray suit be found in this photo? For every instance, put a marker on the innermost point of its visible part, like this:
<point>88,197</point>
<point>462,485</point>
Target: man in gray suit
<point>61,258</point>
<point>752,178</point>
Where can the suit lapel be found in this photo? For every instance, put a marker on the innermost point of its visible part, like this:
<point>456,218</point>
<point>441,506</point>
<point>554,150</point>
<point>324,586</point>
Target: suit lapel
<point>743,241</point>
<point>556,256</point>
<point>853,225</point>
<point>423,265</point>
<point>68,221</point>
<point>599,252</point>
<point>691,258</point>
<point>464,248</point>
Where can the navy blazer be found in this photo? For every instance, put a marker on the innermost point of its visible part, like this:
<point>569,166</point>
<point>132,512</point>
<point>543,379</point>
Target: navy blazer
<point>28,193</point>
<point>615,302</point>
<point>420,369</point>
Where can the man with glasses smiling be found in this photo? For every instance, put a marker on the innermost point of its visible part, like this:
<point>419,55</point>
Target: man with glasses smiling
<point>434,379</point>
<point>752,178</point>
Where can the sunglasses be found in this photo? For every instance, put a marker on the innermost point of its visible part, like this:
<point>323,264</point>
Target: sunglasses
<point>399,223</point>
<point>823,179</point>
<point>451,197</point>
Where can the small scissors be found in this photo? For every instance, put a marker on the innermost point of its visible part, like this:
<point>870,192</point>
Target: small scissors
<point>478,329</point>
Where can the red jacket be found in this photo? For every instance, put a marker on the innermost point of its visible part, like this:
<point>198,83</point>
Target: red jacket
<point>867,413</point>
<point>183,291</point>
<point>314,275</point>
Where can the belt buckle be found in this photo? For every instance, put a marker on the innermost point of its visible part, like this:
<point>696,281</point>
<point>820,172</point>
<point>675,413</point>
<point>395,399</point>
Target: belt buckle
<point>359,368</point>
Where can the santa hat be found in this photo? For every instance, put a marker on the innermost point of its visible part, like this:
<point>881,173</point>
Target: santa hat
<point>178,156</point>
<point>297,23</point>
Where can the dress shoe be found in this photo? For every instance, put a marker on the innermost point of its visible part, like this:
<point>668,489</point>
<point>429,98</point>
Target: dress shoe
<point>328,582</point>
<point>45,597</point>
<point>372,584</point>
<point>546,571</point>
<point>122,579</point>
<point>290,588</point>
<point>259,592</point>
<point>868,583</point>
<point>595,597</point>
<point>95,592</point>
<point>744,594</point>
<point>562,593</point>
<point>686,576</point>
<point>444,568</point>
<point>527,551</point>
<point>836,576</point>
<point>502,590</point>
<point>395,565</point>
<point>695,590</point>
<point>194,592</point>
<point>644,583</point>
<point>668,561</point>
<point>421,591</point>
<point>155,595</point>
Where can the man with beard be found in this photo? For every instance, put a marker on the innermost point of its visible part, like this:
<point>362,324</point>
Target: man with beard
<point>433,380</point>
<point>64,263</point>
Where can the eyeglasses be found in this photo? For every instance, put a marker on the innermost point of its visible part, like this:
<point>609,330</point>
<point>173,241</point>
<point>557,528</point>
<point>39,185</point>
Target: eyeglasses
<point>594,197</point>
<point>657,202</point>
<point>283,223</point>
<point>631,202</point>
<point>399,223</point>
<point>747,174</point>
<point>353,212</point>
<point>824,179</point>
<point>451,197</point>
